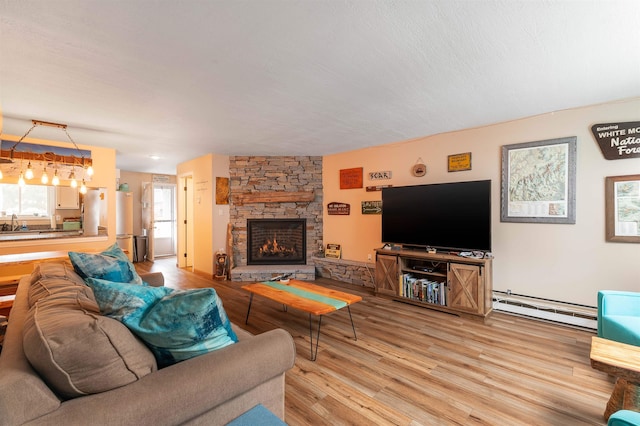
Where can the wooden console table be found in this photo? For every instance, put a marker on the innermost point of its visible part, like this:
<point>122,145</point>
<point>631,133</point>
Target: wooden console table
<point>623,361</point>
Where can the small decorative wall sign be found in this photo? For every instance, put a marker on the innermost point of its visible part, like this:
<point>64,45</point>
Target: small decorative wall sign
<point>380,175</point>
<point>351,178</point>
<point>419,169</point>
<point>372,207</point>
<point>338,209</point>
<point>618,140</point>
<point>333,251</point>
<point>377,187</point>
<point>161,178</point>
<point>459,162</point>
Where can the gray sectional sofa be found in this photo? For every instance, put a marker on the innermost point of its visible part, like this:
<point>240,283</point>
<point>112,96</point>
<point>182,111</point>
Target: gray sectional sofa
<point>112,377</point>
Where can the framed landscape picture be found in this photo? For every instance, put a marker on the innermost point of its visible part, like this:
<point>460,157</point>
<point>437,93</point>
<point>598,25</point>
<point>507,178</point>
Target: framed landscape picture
<point>539,182</point>
<point>622,198</point>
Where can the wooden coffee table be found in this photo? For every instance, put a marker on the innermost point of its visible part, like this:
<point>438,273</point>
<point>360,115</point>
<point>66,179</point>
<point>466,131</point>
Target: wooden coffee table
<point>306,297</point>
<point>623,361</point>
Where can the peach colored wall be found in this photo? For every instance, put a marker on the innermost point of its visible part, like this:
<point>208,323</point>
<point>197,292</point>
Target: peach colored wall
<point>560,262</point>
<point>210,225</point>
<point>104,166</point>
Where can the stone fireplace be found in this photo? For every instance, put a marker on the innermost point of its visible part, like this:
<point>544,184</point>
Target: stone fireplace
<point>270,189</point>
<point>276,241</point>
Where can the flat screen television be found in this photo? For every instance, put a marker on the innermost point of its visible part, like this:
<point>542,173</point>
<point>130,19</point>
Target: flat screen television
<point>446,216</point>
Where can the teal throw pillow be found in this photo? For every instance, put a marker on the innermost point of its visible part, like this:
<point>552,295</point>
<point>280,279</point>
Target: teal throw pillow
<point>111,265</point>
<point>175,324</point>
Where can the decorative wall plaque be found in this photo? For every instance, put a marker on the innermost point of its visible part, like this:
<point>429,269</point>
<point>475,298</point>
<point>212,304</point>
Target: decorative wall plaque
<point>333,251</point>
<point>372,207</point>
<point>338,208</point>
<point>374,188</point>
<point>618,140</point>
<point>380,175</point>
<point>419,169</point>
<point>351,178</point>
<point>459,162</point>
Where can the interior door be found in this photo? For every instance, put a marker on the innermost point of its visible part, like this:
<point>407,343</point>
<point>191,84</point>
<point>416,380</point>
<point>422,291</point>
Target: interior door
<point>163,219</point>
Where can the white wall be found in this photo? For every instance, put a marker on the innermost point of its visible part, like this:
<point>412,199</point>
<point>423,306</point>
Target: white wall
<point>560,262</point>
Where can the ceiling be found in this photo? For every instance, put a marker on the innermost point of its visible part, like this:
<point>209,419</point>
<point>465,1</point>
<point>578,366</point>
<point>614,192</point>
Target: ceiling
<point>180,79</point>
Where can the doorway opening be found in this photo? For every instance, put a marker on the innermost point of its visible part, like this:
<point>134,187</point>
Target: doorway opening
<point>159,217</point>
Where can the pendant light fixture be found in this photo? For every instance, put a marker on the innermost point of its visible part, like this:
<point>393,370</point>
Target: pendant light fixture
<point>13,154</point>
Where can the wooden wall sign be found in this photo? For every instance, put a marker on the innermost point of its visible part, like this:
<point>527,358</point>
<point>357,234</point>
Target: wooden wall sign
<point>380,175</point>
<point>351,178</point>
<point>338,208</point>
<point>333,251</point>
<point>618,140</point>
<point>372,207</point>
<point>459,162</point>
<point>377,188</point>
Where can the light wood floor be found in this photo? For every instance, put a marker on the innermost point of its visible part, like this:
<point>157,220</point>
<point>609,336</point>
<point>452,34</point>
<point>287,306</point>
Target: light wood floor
<point>415,366</point>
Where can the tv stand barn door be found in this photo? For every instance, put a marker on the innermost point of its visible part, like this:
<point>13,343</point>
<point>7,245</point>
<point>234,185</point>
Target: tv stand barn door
<point>445,282</point>
<point>464,288</point>
<point>386,274</point>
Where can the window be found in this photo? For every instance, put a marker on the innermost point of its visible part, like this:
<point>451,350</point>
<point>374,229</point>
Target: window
<point>29,200</point>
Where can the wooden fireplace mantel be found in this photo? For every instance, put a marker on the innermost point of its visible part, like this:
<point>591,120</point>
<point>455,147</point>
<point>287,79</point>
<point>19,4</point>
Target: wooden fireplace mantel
<point>273,197</point>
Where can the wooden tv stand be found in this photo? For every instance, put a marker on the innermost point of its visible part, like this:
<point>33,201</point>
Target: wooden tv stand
<point>446,282</point>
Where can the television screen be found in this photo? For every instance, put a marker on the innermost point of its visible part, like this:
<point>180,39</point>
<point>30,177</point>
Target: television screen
<point>448,216</point>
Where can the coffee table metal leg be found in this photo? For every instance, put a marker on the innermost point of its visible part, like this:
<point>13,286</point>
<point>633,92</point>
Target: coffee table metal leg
<point>246,320</point>
<point>352,326</point>
<point>314,356</point>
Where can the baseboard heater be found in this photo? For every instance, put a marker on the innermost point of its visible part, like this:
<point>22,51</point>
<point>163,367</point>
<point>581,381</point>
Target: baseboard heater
<point>545,309</point>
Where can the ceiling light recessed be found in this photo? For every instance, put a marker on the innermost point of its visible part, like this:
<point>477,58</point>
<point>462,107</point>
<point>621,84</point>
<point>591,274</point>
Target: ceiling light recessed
<point>154,157</point>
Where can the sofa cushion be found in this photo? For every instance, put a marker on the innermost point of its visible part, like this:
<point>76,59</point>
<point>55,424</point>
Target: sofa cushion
<point>52,278</point>
<point>75,349</point>
<point>112,265</point>
<point>177,325</point>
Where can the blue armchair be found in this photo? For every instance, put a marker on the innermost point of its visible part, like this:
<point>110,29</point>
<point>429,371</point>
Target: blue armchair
<point>619,316</point>
<point>624,418</point>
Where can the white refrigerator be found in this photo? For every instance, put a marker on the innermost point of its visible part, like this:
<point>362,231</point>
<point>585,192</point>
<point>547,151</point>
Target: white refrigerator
<point>124,222</point>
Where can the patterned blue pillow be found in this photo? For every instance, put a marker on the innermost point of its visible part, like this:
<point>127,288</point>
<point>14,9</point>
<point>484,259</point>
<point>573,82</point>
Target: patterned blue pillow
<point>111,265</point>
<point>175,324</point>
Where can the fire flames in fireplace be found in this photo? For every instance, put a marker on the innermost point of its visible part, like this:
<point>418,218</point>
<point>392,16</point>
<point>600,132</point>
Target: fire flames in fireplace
<point>276,241</point>
<point>272,248</point>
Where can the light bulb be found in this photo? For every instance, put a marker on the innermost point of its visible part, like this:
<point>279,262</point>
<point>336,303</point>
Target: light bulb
<point>56,180</point>
<point>21,181</point>
<point>29,173</point>
<point>72,177</point>
<point>89,171</point>
<point>45,177</point>
<point>83,188</point>
<point>1,174</point>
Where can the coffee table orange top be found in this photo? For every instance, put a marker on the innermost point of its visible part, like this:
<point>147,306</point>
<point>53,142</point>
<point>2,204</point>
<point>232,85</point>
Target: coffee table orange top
<point>307,297</point>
